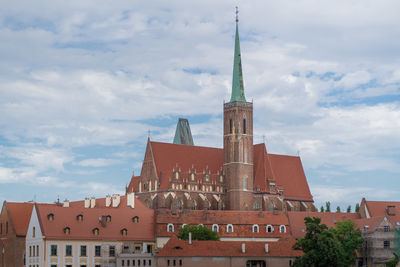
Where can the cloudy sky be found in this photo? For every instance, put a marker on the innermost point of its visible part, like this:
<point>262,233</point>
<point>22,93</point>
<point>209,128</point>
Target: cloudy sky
<point>82,83</point>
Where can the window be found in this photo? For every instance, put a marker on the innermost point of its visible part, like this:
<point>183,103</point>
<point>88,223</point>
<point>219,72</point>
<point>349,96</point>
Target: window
<point>244,125</point>
<point>174,262</point>
<point>149,262</point>
<point>96,231</point>
<point>193,204</point>
<point>386,228</point>
<point>67,230</point>
<point>168,262</point>
<point>179,204</point>
<point>97,251</point>
<point>53,250</point>
<point>79,217</point>
<point>282,229</point>
<point>229,228</point>
<point>257,205</point>
<point>245,183</point>
<point>37,250</point>
<point>215,228</point>
<point>6,227</point>
<point>230,125</point>
<point>122,262</point>
<point>170,227</point>
<point>33,231</point>
<point>50,217</point>
<point>135,219</point>
<point>30,251</point>
<point>270,229</point>
<point>53,265</point>
<point>180,262</point>
<point>111,251</point>
<point>83,251</point>
<point>1,228</point>
<point>386,244</point>
<point>108,218</point>
<point>255,228</point>
<point>68,250</point>
<point>124,231</point>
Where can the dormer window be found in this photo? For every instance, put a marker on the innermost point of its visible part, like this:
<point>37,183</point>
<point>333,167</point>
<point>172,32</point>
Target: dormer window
<point>170,228</point>
<point>67,230</point>
<point>79,217</point>
<point>215,228</point>
<point>135,219</point>
<point>229,228</point>
<point>108,218</point>
<point>124,232</point>
<point>96,231</point>
<point>50,217</point>
<point>270,229</point>
<point>282,229</point>
<point>255,228</point>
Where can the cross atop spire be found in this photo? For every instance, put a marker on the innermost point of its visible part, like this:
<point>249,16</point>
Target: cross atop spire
<point>237,79</point>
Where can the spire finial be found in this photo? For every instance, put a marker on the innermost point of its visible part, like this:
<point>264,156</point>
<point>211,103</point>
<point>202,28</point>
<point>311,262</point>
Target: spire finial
<point>237,14</point>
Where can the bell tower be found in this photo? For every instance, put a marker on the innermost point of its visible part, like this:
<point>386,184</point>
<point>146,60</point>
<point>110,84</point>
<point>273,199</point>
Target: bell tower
<point>238,140</point>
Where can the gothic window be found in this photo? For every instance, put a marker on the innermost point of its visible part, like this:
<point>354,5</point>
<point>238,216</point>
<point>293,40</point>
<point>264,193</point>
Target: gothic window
<point>176,175</point>
<point>282,229</point>
<point>230,125</point>
<point>245,155</point>
<point>244,183</point>
<point>179,204</point>
<point>192,176</point>
<point>34,231</point>
<point>221,178</point>
<point>215,228</point>
<point>193,204</point>
<point>255,228</point>
<point>270,229</point>
<point>207,177</point>
<point>244,125</point>
<point>256,205</point>
<point>229,228</point>
<point>170,227</point>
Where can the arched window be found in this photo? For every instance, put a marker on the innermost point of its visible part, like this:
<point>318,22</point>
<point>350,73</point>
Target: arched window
<point>124,232</point>
<point>244,183</point>
<point>200,224</point>
<point>108,218</point>
<point>229,228</point>
<point>170,228</point>
<point>270,228</point>
<point>215,228</point>
<point>79,217</point>
<point>179,204</point>
<point>193,204</point>
<point>257,205</point>
<point>255,228</point>
<point>282,229</point>
<point>183,225</point>
<point>95,231</point>
<point>135,219</point>
<point>50,216</point>
<point>67,230</point>
<point>244,124</point>
<point>34,231</point>
<point>230,125</point>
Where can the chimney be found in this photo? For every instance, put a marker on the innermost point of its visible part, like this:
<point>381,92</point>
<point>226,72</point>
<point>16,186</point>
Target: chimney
<point>108,201</point>
<point>66,203</point>
<point>391,210</point>
<point>87,202</point>
<point>190,238</point>
<point>266,248</point>
<point>243,248</point>
<point>115,200</point>
<point>92,202</point>
<point>130,200</point>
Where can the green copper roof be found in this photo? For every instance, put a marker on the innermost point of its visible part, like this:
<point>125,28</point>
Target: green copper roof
<point>183,135</point>
<point>237,80</point>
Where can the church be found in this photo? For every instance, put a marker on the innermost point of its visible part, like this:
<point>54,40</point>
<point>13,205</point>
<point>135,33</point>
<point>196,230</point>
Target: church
<point>240,176</point>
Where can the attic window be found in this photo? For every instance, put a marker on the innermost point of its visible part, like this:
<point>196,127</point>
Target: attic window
<point>177,247</point>
<point>50,217</point>
<point>79,217</point>
<point>108,218</point>
<point>270,228</point>
<point>124,232</point>
<point>135,219</point>
<point>67,230</point>
<point>96,231</point>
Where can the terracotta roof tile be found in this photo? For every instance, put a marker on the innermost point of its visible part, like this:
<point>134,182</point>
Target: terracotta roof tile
<point>298,227</point>
<point>379,208</point>
<point>372,223</point>
<point>20,214</point>
<point>176,247</point>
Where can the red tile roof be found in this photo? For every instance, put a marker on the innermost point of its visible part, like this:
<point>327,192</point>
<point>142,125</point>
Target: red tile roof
<point>20,214</point>
<point>176,247</point>
<point>298,227</point>
<point>121,218</point>
<point>379,208</point>
<point>133,184</point>
<point>287,171</point>
<point>372,223</point>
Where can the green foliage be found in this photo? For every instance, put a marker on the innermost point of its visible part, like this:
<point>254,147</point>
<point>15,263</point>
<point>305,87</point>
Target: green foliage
<point>328,247</point>
<point>337,209</point>
<point>357,209</point>
<point>393,262</point>
<point>328,206</point>
<point>349,209</point>
<point>198,233</point>
<point>322,209</point>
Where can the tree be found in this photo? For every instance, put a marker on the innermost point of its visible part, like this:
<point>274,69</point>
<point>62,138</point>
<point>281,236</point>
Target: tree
<point>357,209</point>
<point>328,206</point>
<point>199,232</point>
<point>349,209</point>
<point>322,209</point>
<point>393,262</point>
<point>328,247</point>
<point>338,209</point>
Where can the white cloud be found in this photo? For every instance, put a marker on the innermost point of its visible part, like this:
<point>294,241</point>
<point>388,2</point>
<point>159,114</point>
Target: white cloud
<point>97,162</point>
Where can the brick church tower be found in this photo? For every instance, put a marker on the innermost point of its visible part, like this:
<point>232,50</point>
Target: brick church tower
<point>238,141</point>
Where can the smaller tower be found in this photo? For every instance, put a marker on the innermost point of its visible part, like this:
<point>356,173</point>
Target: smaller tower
<point>183,135</point>
<point>238,140</point>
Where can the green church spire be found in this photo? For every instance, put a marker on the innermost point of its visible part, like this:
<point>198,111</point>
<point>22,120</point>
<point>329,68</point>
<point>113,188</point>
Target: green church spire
<point>237,80</point>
